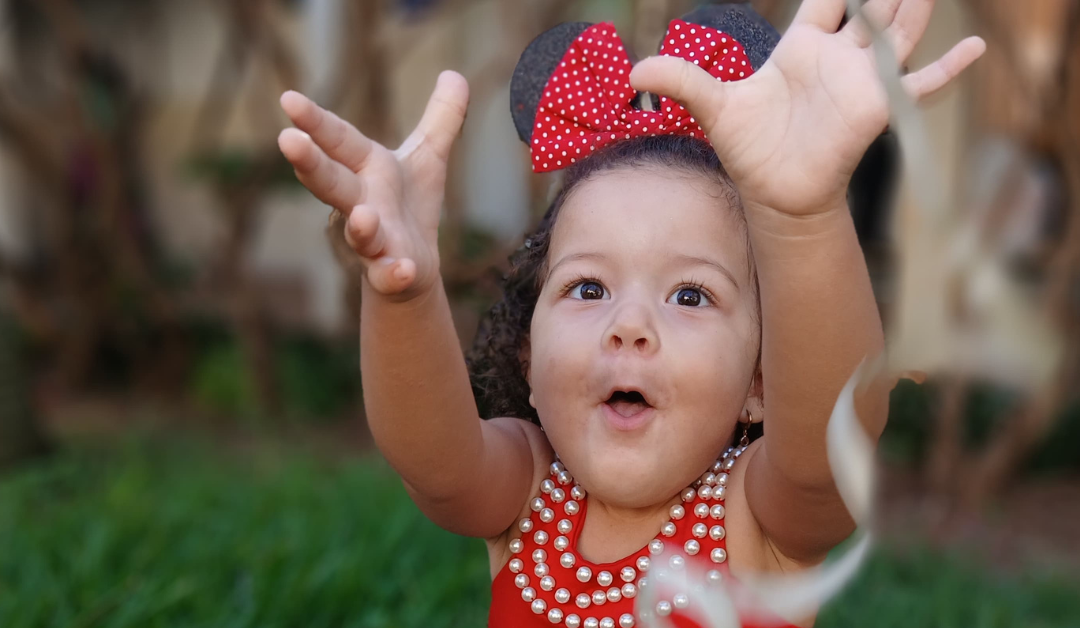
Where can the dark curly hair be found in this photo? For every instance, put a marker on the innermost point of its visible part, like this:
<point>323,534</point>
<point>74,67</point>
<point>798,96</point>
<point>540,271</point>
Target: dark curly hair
<point>498,359</point>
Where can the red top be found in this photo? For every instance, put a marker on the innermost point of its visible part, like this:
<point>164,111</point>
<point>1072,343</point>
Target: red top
<point>547,582</point>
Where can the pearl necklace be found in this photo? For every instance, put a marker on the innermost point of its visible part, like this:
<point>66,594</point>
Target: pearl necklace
<point>708,493</point>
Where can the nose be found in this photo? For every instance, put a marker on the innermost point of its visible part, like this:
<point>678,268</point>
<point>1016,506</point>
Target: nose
<point>632,328</point>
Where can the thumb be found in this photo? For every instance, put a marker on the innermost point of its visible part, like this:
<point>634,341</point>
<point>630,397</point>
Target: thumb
<point>697,90</point>
<point>443,117</point>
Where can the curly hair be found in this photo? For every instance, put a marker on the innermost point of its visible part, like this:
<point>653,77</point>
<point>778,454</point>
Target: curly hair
<point>498,360</point>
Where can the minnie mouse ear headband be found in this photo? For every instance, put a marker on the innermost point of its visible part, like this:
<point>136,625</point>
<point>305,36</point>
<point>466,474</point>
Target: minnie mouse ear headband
<point>570,94</point>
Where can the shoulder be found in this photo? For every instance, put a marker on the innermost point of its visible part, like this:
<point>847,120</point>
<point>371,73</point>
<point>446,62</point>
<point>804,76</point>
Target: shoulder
<point>542,455</point>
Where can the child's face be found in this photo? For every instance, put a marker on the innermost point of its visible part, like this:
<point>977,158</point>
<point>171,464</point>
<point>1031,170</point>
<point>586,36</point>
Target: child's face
<point>633,251</point>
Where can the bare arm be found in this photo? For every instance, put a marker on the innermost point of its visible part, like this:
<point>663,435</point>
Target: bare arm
<point>790,136</point>
<point>469,476</point>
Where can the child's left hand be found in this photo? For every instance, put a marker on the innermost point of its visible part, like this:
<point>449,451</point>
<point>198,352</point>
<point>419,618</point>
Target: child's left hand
<point>791,135</point>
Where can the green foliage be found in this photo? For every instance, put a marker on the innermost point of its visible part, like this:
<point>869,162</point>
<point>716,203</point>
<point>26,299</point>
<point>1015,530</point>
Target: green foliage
<point>137,534</point>
<point>151,537</point>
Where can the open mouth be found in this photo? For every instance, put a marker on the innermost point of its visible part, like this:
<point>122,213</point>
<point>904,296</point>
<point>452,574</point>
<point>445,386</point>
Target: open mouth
<point>627,403</point>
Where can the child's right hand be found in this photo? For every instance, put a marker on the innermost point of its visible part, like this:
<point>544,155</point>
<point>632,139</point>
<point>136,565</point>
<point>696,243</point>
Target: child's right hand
<point>391,199</point>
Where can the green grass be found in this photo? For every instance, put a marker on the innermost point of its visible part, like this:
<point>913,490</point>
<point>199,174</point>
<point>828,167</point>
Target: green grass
<point>147,535</point>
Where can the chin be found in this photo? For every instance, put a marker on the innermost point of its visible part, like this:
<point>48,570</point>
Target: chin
<point>628,477</point>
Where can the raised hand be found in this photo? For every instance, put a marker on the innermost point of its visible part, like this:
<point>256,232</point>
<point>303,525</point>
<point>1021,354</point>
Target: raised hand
<point>392,199</point>
<point>792,134</point>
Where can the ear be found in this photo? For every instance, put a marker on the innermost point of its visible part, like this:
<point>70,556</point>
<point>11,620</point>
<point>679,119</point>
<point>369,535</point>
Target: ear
<point>755,398</point>
<point>533,70</point>
<point>742,22</point>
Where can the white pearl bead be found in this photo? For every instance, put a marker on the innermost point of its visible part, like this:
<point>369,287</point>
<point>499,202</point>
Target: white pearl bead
<point>541,570</point>
<point>701,511</point>
<point>557,468</point>
<point>547,583</point>
<point>688,494</point>
<point>537,504</point>
<point>720,493</point>
<point>528,594</point>
<point>573,621</point>
<point>539,556</point>
<point>565,478</point>
<point>717,467</point>
<point>717,532</point>
<point>567,560</point>
<point>539,607</point>
<point>562,596</point>
<point>607,622</point>
<point>627,574</point>
<point>565,526</point>
<point>709,478</point>
<point>718,555</point>
<point>705,492</point>
<point>680,601</point>
<point>577,492</point>
<point>599,597</point>
<point>692,547</point>
<point>614,594</point>
<point>677,561</point>
<point>561,543</point>
<point>583,600</point>
<point>547,486</point>
<point>642,583</point>
<point>717,511</point>
<point>677,512</point>
<point>521,581</point>
<point>722,479</point>
<point>663,608</point>
<point>547,515</point>
<point>516,546</point>
<point>629,590</point>
<point>540,537</point>
<point>558,495</point>
<point>584,574</point>
<point>668,529</point>
<point>714,576</point>
<point>571,507</point>
<point>604,578</point>
<point>699,530</point>
<point>656,546</point>
<point>626,621</point>
<point>730,462</point>
<point>643,563</point>
<point>591,622</point>
<point>525,525</point>
<point>516,565</point>
<point>555,615</point>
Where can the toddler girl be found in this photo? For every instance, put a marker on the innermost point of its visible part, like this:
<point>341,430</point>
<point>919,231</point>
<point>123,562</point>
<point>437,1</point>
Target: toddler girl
<point>697,273</point>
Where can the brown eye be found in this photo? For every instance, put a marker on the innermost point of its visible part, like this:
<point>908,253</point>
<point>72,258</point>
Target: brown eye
<point>590,290</point>
<point>690,297</point>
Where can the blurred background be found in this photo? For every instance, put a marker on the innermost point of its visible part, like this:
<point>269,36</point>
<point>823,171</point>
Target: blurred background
<point>182,437</point>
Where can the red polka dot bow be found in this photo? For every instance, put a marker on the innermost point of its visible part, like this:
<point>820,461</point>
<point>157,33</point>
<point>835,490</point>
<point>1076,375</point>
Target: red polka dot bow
<point>587,102</point>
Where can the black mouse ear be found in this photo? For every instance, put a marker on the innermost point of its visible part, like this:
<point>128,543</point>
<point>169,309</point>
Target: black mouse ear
<point>533,71</point>
<point>742,22</point>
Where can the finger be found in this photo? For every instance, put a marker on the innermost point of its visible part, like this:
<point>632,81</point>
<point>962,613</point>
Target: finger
<point>340,140</point>
<point>330,181</point>
<point>365,234</point>
<point>875,16</point>
<point>391,276</point>
<point>940,73</point>
<point>443,117</point>
<point>691,85</point>
<point>823,14</point>
<point>909,26</point>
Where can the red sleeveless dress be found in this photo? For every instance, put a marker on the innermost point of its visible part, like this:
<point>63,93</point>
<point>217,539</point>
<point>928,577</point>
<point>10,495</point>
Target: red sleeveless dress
<point>548,583</point>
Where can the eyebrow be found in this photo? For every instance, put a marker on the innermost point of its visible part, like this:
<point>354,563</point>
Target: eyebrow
<point>701,261</point>
<point>682,258</point>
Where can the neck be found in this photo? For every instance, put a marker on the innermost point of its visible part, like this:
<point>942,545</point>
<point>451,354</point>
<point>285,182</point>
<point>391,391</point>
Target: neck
<point>612,532</point>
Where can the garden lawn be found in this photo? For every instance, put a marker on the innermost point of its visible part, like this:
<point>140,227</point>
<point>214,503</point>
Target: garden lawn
<point>144,534</point>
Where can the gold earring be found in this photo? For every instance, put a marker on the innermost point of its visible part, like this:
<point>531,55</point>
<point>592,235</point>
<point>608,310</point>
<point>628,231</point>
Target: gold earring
<point>745,440</point>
